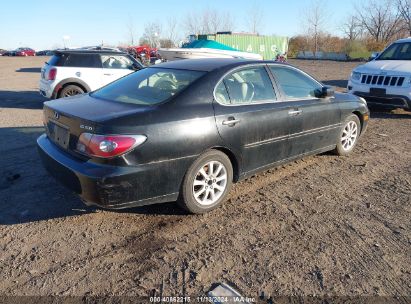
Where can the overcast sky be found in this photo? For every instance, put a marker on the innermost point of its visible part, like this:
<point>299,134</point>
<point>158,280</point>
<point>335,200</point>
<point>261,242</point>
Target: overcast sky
<point>41,24</point>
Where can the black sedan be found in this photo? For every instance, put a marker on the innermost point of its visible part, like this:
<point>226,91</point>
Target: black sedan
<point>186,130</point>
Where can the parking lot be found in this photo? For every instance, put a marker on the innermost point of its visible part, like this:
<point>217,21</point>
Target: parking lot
<point>324,225</point>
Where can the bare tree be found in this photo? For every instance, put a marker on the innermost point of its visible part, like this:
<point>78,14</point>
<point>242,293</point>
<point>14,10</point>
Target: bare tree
<point>380,20</point>
<point>255,18</point>
<point>152,34</point>
<point>208,21</point>
<point>228,24</point>
<point>217,21</point>
<point>191,24</point>
<point>351,28</point>
<point>171,31</point>
<point>205,25</point>
<point>130,31</point>
<point>314,21</point>
<point>404,9</point>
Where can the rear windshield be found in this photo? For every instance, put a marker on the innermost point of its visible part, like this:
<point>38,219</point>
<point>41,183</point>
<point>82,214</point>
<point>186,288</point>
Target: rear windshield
<point>149,86</point>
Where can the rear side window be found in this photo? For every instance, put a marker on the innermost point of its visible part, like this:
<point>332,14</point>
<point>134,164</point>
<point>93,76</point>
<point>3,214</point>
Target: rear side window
<point>221,94</point>
<point>83,61</point>
<point>295,84</point>
<point>249,85</point>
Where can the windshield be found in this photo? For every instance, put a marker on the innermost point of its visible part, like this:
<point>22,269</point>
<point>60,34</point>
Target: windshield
<point>397,51</point>
<point>149,86</point>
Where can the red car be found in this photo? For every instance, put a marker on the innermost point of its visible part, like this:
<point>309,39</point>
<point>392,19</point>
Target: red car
<point>25,52</point>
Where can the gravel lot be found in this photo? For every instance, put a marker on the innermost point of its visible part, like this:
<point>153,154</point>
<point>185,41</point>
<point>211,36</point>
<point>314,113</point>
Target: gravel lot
<point>321,226</point>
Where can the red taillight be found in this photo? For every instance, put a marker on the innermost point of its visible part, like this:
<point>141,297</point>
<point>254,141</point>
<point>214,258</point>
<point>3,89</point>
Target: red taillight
<point>52,74</point>
<point>108,146</point>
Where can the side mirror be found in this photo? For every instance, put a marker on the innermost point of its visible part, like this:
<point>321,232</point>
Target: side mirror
<point>374,55</point>
<point>324,92</point>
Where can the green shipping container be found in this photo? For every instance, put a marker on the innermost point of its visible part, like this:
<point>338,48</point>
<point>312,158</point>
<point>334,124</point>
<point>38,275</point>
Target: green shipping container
<point>266,46</point>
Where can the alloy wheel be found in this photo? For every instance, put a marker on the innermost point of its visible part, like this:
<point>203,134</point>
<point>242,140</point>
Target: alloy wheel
<point>71,92</point>
<point>210,183</point>
<point>349,135</point>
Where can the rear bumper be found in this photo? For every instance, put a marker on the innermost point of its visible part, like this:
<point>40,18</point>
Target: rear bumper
<point>112,187</point>
<point>46,89</point>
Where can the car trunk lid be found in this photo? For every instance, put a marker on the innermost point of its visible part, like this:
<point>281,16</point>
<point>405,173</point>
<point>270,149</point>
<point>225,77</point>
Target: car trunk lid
<point>66,119</point>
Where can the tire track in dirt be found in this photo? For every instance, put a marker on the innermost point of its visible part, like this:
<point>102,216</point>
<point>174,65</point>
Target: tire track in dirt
<point>348,186</point>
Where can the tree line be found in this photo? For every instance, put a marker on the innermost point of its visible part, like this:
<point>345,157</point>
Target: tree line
<point>372,25</point>
<point>172,31</point>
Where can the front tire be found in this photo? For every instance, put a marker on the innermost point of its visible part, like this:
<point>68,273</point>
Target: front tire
<point>70,90</point>
<point>206,183</point>
<point>348,136</point>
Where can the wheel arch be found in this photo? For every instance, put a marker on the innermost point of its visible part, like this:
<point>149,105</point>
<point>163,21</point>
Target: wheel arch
<point>233,159</point>
<point>70,81</point>
<point>360,117</point>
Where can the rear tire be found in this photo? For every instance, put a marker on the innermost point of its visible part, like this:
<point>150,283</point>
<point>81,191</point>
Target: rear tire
<point>70,90</point>
<point>348,136</point>
<point>206,183</point>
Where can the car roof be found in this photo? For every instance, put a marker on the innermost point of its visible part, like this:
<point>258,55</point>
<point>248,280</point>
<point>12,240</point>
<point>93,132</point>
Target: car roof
<point>207,64</point>
<point>80,51</point>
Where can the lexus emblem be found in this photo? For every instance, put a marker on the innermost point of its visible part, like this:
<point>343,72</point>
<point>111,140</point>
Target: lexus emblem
<point>56,115</point>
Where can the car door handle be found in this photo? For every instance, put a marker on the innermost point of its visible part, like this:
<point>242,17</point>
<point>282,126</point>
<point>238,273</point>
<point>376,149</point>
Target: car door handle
<point>294,112</point>
<point>230,122</point>
<point>108,74</point>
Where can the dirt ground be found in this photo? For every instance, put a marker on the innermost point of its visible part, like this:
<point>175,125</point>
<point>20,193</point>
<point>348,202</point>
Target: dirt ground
<point>322,226</point>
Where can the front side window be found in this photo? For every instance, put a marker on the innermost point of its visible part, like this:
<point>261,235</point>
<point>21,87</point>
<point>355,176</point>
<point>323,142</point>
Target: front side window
<point>250,85</point>
<point>149,86</point>
<point>295,84</point>
<point>397,51</point>
<point>116,62</point>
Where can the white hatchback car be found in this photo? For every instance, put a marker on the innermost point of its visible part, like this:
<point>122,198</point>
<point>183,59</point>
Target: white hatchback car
<point>72,72</point>
<point>386,80</point>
